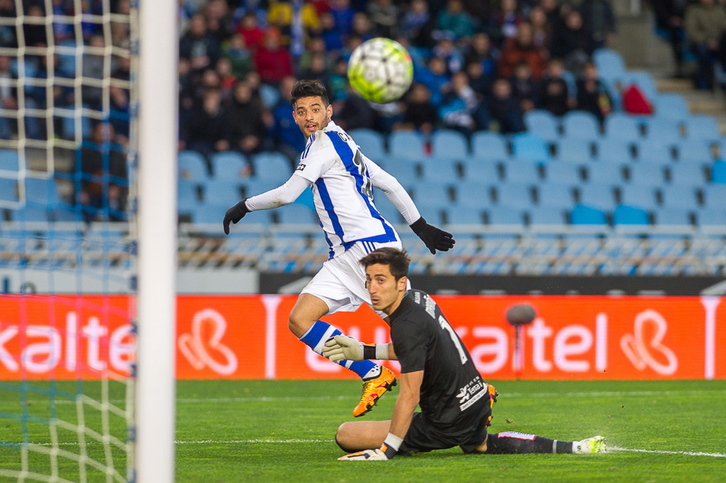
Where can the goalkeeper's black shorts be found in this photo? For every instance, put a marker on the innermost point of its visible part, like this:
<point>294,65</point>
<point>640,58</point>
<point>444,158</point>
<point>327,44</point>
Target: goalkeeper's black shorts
<point>422,436</point>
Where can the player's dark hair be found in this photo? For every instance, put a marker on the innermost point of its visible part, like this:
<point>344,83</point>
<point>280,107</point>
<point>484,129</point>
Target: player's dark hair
<point>309,88</point>
<point>397,260</point>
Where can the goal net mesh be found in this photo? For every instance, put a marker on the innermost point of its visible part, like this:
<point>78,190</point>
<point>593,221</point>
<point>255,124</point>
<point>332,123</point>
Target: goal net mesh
<point>67,239</point>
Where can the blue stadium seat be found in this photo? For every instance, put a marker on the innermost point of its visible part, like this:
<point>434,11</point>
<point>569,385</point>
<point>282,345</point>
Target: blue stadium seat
<point>8,189</point>
<point>646,174</point>
<point>613,150</point>
<point>505,215</point>
<point>694,150</point>
<point>222,191</point>
<point>711,217</point>
<point>372,143</point>
<point>545,215</point>
<point>630,215</point>
<point>41,191</point>
<point>714,196</point>
<point>642,196</point>
<point>206,213</point>
<point>187,196</point>
<point>543,124</point>
<point>9,160</point>
<point>686,174</point>
<point>482,171</point>
<point>30,214</point>
<point>600,196</point>
<point>475,194</point>
<point>655,150</point>
<point>230,165</point>
<point>581,125</point>
<point>387,209</point>
<point>192,166</point>
<point>578,151</point>
<point>253,186</point>
<point>555,195</point>
<point>604,173</point>
<point>440,169</point>
<point>432,193</point>
<point>296,214</point>
<point>489,146</point>
<point>623,127</point>
<point>464,215</point>
<point>521,171</point>
<point>642,79</point>
<point>662,129</point>
<point>670,106</point>
<point>702,127</point>
<point>514,195</point>
<point>447,143</point>
<point>672,216</point>
<point>272,166</point>
<point>529,146</point>
<point>406,145</point>
<point>587,215</point>
<point>406,172</point>
<point>609,63</point>
<point>565,173</point>
<point>673,196</point>
<point>718,173</point>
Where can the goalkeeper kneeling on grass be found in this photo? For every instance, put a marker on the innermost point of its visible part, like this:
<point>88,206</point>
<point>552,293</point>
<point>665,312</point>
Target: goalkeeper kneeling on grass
<point>437,373</point>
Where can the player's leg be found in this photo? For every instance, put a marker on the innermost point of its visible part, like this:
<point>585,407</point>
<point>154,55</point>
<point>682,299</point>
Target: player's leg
<point>359,435</point>
<point>511,442</point>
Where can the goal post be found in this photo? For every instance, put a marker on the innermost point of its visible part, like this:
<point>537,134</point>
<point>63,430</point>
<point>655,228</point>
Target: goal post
<point>157,235</point>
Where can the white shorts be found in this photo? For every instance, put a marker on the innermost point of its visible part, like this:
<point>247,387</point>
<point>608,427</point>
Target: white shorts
<point>340,283</point>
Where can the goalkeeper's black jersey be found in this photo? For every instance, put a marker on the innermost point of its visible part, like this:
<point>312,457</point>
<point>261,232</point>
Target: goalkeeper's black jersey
<point>452,393</point>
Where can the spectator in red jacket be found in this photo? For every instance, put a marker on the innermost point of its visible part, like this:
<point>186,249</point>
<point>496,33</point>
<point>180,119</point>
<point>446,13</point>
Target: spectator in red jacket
<point>522,49</point>
<point>272,60</point>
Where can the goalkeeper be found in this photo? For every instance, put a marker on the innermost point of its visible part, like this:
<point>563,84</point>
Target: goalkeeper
<point>437,373</point>
<point>342,181</point>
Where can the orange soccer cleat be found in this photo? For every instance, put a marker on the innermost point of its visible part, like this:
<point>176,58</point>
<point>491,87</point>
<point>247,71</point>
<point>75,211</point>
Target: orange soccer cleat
<point>373,390</point>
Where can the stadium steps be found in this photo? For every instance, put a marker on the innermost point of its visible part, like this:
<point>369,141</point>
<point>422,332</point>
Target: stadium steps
<point>712,103</point>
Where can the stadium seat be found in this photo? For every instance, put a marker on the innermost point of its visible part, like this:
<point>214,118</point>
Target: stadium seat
<point>662,129</point>
<point>580,125</point>
<point>9,160</point>
<point>670,106</point>
<point>702,127</point>
<point>718,173</point>
<point>613,151</point>
<point>604,173</point>
<point>464,215</point>
<point>446,143</point>
<point>406,172</point>
<point>565,173</point>
<point>482,171</point>
<point>372,143</point>
<point>272,166</point>
<point>673,196</point>
<point>543,124</point>
<point>672,216</point>
<point>694,150</point>
<point>387,209</point>
<point>296,213</point>
<point>645,174</point>
<point>609,63</point>
<point>406,145</point>
<point>642,79</point>
<point>531,147</point>
<point>521,171</point>
<point>253,186</point>
<point>187,197</point>
<point>553,194</point>
<point>597,195</point>
<point>222,191</point>
<point>30,214</point>
<point>655,150</point>
<point>230,165</point>
<point>192,166</point>
<point>489,146</point>
<point>8,189</point>
<point>642,196</point>
<point>623,127</point>
<point>41,191</point>
<point>504,215</point>
<point>514,195</point>
<point>587,215</point>
<point>444,170</point>
<point>714,196</point>
<point>545,215</point>
<point>686,174</point>
<point>711,217</point>
<point>475,194</point>
<point>432,193</point>
<point>578,151</point>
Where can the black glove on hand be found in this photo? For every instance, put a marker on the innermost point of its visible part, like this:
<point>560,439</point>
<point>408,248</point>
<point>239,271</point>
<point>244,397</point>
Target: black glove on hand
<point>235,214</point>
<point>434,238</point>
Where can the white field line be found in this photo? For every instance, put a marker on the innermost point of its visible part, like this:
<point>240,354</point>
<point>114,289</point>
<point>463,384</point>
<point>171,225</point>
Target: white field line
<point>654,451</point>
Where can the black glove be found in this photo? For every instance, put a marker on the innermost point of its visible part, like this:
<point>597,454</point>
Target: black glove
<point>434,238</point>
<point>235,214</point>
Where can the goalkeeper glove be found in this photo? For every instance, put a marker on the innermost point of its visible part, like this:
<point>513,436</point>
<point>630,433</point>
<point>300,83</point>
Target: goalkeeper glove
<point>343,347</point>
<point>387,451</point>
<point>434,238</point>
<point>235,214</point>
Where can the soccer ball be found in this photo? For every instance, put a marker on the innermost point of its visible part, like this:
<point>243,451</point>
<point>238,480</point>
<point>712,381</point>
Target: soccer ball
<point>380,70</point>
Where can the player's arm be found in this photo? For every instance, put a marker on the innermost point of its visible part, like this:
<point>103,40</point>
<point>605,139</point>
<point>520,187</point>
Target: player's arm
<point>280,196</point>
<point>343,347</point>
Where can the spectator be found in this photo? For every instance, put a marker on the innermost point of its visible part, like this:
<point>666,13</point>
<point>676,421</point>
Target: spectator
<point>227,79</point>
<point>419,113</point>
<point>236,51</point>
<point>570,42</point>
<point>481,51</point>
<point>93,68</point>
<point>317,70</point>
<point>338,81</point>
<point>119,117</point>
<point>362,27</point>
<point>417,24</point>
<point>343,15</point>
<point>705,25</point>
<point>286,135</point>
<point>218,20</point>
<point>541,28</point>
<point>455,21</point>
<point>447,50</point>
<point>554,95</point>
<point>354,112</point>
<point>198,46</point>
<point>7,32</point>
<point>669,15</point>
<point>34,33</point>
<point>459,104</point>
<point>522,49</point>
<point>37,97</point>
<point>599,22</point>
<point>524,87</point>
<point>507,21</point>
<point>502,110</point>
<point>272,61</point>
<point>246,120</point>
<point>296,20</point>
<point>249,28</point>
<point>592,95</point>
<point>481,83</point>
<point>334,39</point>
<point>434,77</point>
<point>207,129</point>
<point>383,15</point>
<point>316,46</point>
<point>8,97</point>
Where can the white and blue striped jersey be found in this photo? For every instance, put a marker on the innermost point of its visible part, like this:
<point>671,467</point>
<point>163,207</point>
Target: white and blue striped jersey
<point>342,190</point>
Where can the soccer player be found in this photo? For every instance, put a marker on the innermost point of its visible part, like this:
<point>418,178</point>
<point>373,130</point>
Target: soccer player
<point>437,373</point>
<point>342,180</point>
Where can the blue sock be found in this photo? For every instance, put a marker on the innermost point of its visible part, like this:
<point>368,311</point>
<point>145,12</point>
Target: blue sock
<point>321,331</point>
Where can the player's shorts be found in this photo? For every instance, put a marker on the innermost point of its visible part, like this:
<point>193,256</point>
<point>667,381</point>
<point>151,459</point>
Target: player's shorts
<point>422,436</point>
<point>340,283</point>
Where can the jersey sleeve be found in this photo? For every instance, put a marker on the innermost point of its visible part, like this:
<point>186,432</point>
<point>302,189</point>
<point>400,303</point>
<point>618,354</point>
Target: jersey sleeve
<point>411,341</point>
<point>318,157</point>
<point>393,190</point>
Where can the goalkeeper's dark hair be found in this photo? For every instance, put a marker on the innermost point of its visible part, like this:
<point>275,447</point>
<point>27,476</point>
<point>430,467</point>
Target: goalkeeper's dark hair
<point>309,88</point>
<point>397,260</point>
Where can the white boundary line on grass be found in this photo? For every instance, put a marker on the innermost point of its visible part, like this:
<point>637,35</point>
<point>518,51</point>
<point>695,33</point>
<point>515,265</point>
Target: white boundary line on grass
<point>655,451</point>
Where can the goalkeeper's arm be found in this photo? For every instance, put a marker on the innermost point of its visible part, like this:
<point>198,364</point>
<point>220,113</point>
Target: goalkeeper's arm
<point>343,347</point>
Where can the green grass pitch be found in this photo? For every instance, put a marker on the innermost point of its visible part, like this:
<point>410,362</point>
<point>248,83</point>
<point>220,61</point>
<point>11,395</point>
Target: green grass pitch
<point>282,431</point>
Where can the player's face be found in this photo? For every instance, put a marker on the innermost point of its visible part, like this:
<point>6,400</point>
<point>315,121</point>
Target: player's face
<point>385,291</point>
<point>311,114</point>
